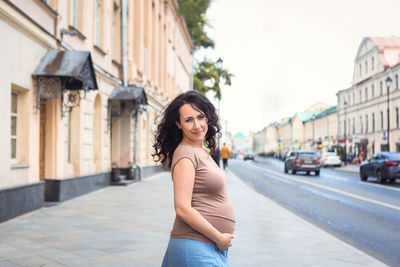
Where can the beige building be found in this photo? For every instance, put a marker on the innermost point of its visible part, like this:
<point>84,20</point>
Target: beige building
<point>363,108</point>
<point>83,82</point>
<point>268,139</point>
<point>320,131</point>
<point>285,134</point>
<point>313,129</point>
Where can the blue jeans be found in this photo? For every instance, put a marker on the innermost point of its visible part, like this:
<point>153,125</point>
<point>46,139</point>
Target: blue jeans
<point>185,252</point>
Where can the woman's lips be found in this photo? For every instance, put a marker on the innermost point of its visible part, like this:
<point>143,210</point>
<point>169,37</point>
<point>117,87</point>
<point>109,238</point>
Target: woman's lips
<point>197,133</point>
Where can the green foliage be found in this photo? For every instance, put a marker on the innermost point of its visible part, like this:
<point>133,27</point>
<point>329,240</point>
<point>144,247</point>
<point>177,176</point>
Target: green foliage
<point>194,12</point>
<point>207,77</point>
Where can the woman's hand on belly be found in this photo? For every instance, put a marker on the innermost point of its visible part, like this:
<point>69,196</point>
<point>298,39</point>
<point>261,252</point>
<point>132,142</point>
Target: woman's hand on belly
<point>225,241</point>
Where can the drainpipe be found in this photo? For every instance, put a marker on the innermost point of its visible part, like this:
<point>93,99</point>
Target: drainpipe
<point>124,44</point>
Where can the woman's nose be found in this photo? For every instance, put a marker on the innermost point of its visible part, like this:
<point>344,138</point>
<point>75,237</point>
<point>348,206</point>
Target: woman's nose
<point>196,123</point>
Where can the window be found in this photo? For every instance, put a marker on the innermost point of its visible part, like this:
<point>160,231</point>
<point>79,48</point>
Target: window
<point>382,120</point>
<point>76,10</point>
<point>366,123</point>
<point>74,13</point>
<point>366,66</point>
<point>360,96</point>
<point>396,81</point>
<point>116,33</point>
<point>360,72</point>
<point>372,91</point>
<point>361,125</point>
<point>354,125</point>
<point>397,117</point>
<point>372,63</point>
<point>98,23</point>
<point>354,98</point>
<point>380,87</point>
<point>373,122</point>
<point>19,126</point>
<point>366,93</point>
<point>14,119</point>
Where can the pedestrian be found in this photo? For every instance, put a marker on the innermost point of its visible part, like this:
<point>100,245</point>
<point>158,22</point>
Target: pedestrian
<point>225,155</point>
<point>204,221</point>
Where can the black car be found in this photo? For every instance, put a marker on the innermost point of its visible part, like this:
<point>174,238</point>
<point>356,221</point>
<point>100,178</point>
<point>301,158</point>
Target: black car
<point>382,165</point>
<point>249,156</point>
<point>307,161</point>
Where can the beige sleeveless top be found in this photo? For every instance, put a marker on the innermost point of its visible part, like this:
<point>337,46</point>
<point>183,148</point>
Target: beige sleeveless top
<point>210,195</point>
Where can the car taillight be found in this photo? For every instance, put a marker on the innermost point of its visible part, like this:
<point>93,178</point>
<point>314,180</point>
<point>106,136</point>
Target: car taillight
<point>316,161</point>
<point>298,160</point>
<point>325,159</point>
<point>391,163</point>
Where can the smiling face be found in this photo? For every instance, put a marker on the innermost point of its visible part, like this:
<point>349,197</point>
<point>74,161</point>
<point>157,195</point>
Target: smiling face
<point>193,124</point>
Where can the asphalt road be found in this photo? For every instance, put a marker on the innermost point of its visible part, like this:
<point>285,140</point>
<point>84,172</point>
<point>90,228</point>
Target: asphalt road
<point>364,214</point>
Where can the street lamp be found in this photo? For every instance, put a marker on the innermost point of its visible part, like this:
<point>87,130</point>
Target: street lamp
<point>313,132</point>
<point>345,141</point>
<point>388,82</point>
<point>219,65</point>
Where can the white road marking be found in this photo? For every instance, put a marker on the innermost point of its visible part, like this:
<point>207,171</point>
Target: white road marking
<point>336,178</point>
<point>329,188</point>
<point>379,185</point>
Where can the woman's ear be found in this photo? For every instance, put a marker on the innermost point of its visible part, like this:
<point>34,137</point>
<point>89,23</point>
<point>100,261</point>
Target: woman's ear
<point>178,125</point>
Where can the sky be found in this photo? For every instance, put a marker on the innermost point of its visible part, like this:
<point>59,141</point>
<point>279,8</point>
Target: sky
<point>287,55</point>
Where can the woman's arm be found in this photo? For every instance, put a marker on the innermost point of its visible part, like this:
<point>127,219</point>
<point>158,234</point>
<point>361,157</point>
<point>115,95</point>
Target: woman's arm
<point>183,178</point>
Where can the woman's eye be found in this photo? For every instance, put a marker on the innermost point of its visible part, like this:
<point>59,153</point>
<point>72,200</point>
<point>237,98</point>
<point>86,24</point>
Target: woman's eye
<point>201,117</point>
<point>188,120</point>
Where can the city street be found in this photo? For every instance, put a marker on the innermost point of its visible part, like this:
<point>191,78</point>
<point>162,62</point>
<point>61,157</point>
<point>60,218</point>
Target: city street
<point>130,226</point>
<point>366,215</point>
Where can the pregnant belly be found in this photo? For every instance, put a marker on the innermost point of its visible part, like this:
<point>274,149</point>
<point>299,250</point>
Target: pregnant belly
<point>223,225</point>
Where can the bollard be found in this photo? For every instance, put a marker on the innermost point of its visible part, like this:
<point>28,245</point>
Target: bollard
<point>115,173</point>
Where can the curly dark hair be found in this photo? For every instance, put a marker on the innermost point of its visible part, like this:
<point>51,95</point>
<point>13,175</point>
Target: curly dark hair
<point>168,136</point>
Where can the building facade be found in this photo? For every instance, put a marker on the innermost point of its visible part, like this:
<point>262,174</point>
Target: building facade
<point>368,111</point>
<point>320,131</point>
<point>83,83</point>
<point>313,129</point>
<point>268,139</point>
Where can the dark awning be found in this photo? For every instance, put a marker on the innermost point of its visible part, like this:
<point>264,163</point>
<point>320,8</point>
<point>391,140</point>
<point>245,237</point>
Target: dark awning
<point>74,68</point>
<point>133,93</point>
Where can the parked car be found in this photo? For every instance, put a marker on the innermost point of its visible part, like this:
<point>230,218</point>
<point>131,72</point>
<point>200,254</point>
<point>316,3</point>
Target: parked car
<point>286,154</point>
<point>300,160</point>
<point>382,165</point>
<point>249,156</point>
<point>331,159</point>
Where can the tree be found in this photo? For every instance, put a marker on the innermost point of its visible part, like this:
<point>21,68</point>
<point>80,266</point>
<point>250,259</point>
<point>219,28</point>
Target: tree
<point>207,77</point>
<point>194,12</point>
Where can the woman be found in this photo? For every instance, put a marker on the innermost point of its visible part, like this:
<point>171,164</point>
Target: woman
<point>204,221</point>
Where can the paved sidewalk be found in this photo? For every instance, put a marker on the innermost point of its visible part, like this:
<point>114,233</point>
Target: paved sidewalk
<point>129,226</point>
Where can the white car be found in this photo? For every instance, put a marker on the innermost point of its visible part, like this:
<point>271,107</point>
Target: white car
<point>331,159</point>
